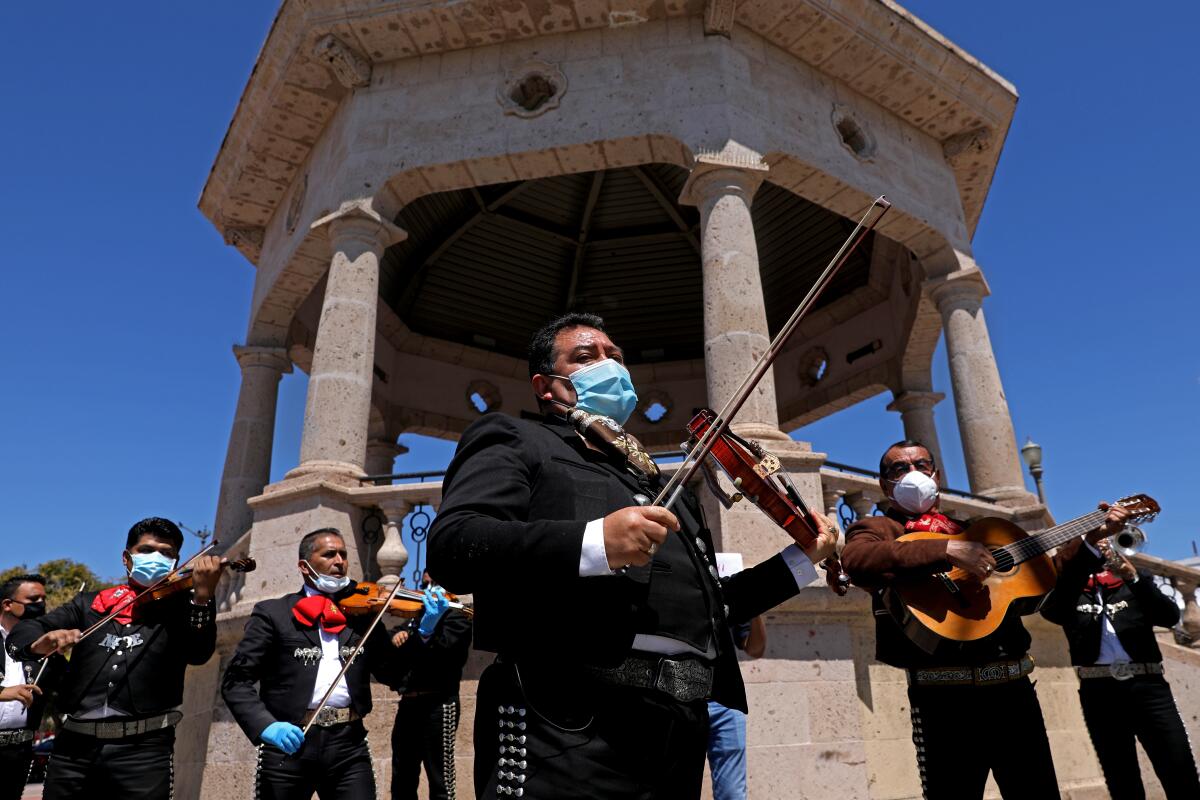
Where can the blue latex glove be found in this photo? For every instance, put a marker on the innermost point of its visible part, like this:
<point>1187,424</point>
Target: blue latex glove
<point>436,606</point>
<point>284,735</point>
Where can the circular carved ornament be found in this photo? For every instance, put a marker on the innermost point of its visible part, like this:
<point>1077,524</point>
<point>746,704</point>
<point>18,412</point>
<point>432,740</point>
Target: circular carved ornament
<point>813,367</point>
<point>854,134</point>
<point>532,89</point>
<point>483,396</point>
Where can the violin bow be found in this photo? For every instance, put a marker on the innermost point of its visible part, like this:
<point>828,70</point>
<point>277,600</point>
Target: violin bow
<point>133,599</point>
<point>46,658</point>
<point>696,455</point>
<point>353,655</point>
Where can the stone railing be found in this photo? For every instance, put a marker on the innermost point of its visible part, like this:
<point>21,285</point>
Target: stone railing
<point>1184,581</point>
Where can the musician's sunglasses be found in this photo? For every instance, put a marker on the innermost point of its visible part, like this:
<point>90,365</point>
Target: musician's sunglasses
<point>898,469</point>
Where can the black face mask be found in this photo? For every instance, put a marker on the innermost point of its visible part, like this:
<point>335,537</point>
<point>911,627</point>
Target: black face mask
<point>34,610</point>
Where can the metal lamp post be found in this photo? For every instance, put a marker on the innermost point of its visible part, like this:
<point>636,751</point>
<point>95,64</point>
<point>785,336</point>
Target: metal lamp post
<point>1031,452</point>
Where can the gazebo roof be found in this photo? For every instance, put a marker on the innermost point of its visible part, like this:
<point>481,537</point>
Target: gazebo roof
<point>875,47</point>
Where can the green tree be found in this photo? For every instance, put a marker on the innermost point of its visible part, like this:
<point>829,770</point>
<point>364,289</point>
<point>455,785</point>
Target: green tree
<point>63,578</point>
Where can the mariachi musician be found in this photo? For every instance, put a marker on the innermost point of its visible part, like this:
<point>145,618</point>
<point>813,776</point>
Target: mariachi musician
<point>124,680</point>
<point>26,684</point>
<point>957,686</point>
<point>287,672</point>
<point>603,692</point>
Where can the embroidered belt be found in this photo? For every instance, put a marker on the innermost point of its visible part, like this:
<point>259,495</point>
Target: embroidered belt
<point>16,736</point>
<point>331,716</point>
<point>983,675</point>
<point>686,680</point>
<point>1121,670</point>
<point>122,728</point>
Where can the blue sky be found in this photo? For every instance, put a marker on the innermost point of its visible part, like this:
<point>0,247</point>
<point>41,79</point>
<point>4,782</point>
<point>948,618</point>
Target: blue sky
<point>122,303</point>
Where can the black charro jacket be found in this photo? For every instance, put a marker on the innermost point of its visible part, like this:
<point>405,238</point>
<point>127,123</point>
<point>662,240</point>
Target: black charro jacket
<point>1134,609</point>
<point>515,502</point>
<point>136,667</point>
<point>48,682</point>
<point>281,656</point>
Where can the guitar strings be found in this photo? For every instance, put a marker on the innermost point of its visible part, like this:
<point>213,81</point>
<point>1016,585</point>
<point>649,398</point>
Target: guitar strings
<point>1008,556</point>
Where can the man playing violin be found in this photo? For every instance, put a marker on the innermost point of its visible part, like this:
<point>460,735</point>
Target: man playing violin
<point>124,679</point>
<point>288,661</point>
<point>605,693</point>
<point>959,686</point>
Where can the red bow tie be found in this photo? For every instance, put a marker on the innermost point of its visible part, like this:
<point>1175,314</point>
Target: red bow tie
<point>113,597</point>
<point>319,608</point>
<point>934,522</point>
<point>1106,580</point>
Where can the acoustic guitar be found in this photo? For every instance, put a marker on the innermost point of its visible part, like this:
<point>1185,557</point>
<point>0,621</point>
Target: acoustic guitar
<point>954,606</point>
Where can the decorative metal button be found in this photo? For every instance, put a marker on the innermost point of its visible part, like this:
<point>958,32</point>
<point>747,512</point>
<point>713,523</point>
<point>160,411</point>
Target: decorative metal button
<point>700,545</point>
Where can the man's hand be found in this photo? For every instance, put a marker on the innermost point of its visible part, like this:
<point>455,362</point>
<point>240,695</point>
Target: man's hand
<point>632,534</point>
<point>59,641</point>
<point>22,693</point>
<point>206,571</point>
<point>971,557</point>
<point>827,539</point>
<point>1114,522</point>
<point>400,637</point>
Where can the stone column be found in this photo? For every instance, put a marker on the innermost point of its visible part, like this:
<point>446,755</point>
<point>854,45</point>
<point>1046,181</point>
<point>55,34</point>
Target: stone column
<point>381,456</point>
<point>916,414</point>
<point>735,336</point>
<point>1191,611</point>
<point>862,503</point>
<point>338,409</point>
<point>248,458</point>
<point>989,445</point>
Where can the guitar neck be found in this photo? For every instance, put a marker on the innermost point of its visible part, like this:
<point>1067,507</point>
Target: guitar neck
<point>1048,540</point>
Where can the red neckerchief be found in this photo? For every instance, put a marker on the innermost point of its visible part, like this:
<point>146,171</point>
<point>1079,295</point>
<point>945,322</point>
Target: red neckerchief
<point>934,522</point>
<point>1106,580</point>
<point>319,608</point>
<point>109,599</point>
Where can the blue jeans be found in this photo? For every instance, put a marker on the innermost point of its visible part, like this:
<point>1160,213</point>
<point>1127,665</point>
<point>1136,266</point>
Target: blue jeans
<point>727,752</point>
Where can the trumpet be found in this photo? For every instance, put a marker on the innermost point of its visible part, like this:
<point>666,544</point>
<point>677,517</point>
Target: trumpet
<point>1129,541</point>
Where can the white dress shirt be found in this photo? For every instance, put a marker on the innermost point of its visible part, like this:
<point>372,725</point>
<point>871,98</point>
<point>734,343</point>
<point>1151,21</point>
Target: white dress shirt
<point>593,561</point>
<point>328,669</point>
<point>12,712</point>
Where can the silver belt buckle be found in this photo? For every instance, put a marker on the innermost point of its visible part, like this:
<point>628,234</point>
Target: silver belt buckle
<point>327,716</point>
<point>1121,670</point>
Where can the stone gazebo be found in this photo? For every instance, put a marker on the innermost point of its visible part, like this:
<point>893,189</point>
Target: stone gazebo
<point>420,185</point>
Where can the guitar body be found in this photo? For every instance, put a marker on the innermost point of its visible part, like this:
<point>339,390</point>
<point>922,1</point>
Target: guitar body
<point>929,612</point>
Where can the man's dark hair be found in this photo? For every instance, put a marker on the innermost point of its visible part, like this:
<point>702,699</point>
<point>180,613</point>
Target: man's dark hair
<point>309,542</point>
<point>541,346</point>
<point>157,527</point>
<point>10,586</point>
<point>904,443</point>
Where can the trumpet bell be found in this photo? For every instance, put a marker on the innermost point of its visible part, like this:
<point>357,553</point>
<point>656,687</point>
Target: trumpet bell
<point>1129,541</point>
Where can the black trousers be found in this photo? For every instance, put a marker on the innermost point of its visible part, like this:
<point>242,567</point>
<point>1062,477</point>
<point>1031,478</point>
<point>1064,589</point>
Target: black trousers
<point>15,760</point>
<point>1141,708</point>
<point>424,734</point>
<point>136,767</point>
<point>963,732</point>
<point>334,762</point>
<point>548,737</point>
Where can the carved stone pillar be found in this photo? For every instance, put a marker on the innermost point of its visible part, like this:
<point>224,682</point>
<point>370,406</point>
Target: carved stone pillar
<point>862,503</point>
<point>735,335</point>
<point>381,456</point>
<point>392,555</point>
<point>248,457</point>
<point>338,409</point>
<point>916,414</point>
<point>989,445</point>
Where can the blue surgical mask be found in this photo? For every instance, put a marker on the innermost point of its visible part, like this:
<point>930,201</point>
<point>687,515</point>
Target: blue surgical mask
<point>604,388</point>
<point>149,567</point>
<point>327,584</point>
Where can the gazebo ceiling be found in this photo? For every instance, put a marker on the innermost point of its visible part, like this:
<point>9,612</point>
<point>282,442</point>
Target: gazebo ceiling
<point>487,266</point>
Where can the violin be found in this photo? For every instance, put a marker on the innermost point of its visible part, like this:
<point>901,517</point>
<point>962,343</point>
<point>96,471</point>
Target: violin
<point>368,598</point>
<point>757,474</point>
<point>181,580</point>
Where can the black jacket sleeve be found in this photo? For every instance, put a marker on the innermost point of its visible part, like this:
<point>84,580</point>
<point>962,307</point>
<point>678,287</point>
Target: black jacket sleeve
<point>1059,606</point>
<point>758,589</point>
<point>245,670</point>
<point>68,616</point>
<point>481,537</point>
<point>1158,608</point>
<point>196,627</point>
